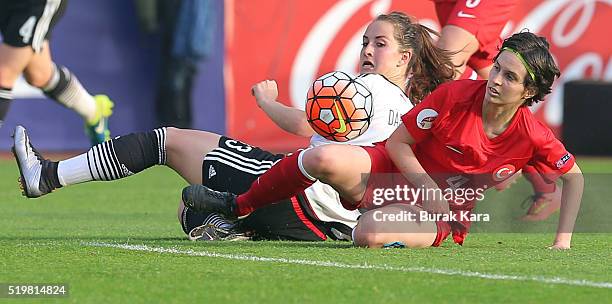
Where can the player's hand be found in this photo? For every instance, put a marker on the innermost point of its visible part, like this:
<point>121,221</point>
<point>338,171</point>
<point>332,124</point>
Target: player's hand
<point>264,92</point>
<point>436,206</point>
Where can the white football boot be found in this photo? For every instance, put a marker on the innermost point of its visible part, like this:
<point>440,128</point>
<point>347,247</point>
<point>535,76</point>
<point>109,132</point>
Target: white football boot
<point>31,165</point>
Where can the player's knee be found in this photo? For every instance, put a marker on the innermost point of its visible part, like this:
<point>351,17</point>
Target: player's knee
<point>320,161</point>
<point>379,227</point>
<point>364,234</point>
<point>37,77</point>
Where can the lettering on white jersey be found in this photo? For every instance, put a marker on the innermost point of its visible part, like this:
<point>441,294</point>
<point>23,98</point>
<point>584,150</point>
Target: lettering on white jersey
<point>394,118</point>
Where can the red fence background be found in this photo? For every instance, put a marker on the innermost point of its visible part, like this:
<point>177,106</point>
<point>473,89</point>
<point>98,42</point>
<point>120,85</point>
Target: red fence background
<point>295,41</point>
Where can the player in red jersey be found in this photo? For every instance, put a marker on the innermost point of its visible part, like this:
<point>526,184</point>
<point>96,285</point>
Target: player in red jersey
<point>465,135</point>
<point>471,30</point>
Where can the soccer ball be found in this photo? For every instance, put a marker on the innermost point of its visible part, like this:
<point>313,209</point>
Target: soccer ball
<point>339,106</point>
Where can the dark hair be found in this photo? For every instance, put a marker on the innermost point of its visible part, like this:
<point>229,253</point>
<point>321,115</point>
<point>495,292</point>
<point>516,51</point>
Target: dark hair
<point>535,51</point>
<point>429,65</point>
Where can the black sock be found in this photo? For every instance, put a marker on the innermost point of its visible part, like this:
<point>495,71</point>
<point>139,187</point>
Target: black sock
<point>127,155</point>
<point>59,82</point>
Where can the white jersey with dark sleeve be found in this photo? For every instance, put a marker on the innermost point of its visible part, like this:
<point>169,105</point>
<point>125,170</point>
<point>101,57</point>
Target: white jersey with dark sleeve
<point>389,104</point>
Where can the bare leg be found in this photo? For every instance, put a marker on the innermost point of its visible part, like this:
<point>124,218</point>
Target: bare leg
<point>181,150</point>
<point>39,70</point>
<point>456,39</point>
<point>186,150</point>
<point>13,61</point>
<point>374,229</point>
<point>344,167</point>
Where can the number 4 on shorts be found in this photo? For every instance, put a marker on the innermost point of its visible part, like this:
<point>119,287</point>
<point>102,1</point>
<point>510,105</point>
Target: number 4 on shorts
<point>27,29</point>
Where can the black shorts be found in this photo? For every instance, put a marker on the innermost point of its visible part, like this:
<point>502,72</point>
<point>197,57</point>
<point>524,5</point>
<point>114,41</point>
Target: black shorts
<point>29,22</point>
<point>233,167</point>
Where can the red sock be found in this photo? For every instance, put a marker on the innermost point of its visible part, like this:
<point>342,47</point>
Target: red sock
<point>539,184</point>
<point>282,181</point>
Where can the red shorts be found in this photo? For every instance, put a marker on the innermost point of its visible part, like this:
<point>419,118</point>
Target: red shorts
<point>484,19</point>
<point>384,173</point>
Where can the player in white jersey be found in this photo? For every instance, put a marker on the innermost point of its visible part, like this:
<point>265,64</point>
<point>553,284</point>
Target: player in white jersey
<point>393,47</point>
<point>390,103</point>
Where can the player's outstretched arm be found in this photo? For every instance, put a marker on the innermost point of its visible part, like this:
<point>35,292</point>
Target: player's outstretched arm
<point>398,147</point>
<point>573,185</point>
<point>287,118</point>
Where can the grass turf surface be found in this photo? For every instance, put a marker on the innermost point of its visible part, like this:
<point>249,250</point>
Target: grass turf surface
<point>50,240</point>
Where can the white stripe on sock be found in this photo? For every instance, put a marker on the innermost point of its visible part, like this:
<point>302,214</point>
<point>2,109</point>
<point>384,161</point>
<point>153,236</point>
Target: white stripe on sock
<point>161,144</point>
<point>301,166</point>
<point>55,77</point>
<point>6,94</point>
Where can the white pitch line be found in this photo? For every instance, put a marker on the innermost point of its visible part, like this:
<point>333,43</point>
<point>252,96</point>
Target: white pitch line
<point>480,275</point>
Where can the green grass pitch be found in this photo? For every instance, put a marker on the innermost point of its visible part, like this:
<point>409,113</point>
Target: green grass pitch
<point>120,242</point>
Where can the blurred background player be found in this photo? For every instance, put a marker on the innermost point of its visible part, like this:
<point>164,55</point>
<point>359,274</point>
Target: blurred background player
<point>185,28</point>
<point>471,29</point>
<point>26,27</point>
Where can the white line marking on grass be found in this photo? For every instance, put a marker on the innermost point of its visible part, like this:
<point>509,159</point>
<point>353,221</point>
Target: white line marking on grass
<point>450,272</point>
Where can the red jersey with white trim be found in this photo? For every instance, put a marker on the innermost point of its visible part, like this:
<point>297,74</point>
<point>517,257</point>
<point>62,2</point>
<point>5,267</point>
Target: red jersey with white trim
<point>483,19</point>
<point>452,147</point>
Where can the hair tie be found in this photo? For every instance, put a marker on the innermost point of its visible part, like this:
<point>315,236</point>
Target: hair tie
<point>520,57</point>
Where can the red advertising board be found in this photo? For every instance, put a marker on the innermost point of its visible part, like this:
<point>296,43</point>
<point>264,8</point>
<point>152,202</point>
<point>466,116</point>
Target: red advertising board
<point>295,41</point>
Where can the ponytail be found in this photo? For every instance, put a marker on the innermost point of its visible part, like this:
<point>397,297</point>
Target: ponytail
<point>430,66</point>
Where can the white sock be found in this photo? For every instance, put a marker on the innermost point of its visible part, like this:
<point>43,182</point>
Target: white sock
<point>71,94</point>
<point>301,166</point>
<point>74,170</point>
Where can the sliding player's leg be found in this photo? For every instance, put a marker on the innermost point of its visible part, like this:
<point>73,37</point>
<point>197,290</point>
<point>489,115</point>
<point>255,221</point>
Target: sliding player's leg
<point>344,167</point>
<point>185,150</point>
<point>118,158</point>
<point>233,167</point>
<point>397,225</point>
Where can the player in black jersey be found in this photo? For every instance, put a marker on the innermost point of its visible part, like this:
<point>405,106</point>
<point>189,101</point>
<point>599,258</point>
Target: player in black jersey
<point>26,28</point>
